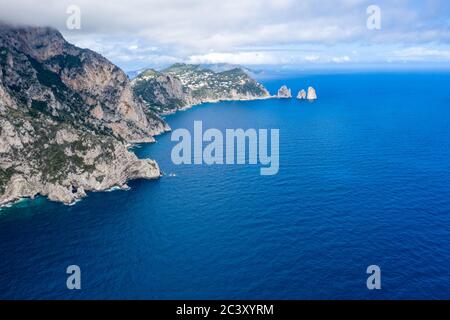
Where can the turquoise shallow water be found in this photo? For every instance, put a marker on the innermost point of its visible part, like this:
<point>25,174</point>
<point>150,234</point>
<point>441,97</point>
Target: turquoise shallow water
<point>363,180</point>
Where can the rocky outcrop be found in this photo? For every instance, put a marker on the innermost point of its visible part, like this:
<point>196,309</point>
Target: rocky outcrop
<point>311,94</point>
<point>284,93</point>
<point>97,173</point>
<point>66,117</point>
<point>183,85</point>
<point>301,94</point>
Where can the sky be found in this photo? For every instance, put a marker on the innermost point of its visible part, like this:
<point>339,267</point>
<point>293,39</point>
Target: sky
<point>137,34</point>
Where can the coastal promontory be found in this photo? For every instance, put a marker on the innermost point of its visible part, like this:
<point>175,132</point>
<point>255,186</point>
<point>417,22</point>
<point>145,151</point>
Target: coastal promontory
<point>181,86</point>
<point>68,115</point>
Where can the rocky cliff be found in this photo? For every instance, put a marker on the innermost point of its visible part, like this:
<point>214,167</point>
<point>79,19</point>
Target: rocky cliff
<point>183,85</point>
<point>66,117</point>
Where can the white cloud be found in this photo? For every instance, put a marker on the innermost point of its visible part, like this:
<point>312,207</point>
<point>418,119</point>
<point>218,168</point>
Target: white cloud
<point>312,58</point>
<point>233,30</point>
<point>340,59</point>
<point>421,53</point>
<point>248,58</point>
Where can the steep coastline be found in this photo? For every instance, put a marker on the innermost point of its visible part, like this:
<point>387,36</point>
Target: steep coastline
<point>67,116</point>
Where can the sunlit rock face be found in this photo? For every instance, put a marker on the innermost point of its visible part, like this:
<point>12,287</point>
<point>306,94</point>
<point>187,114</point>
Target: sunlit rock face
<point>66,115</point>
<point>311,94</point>
<point>301,94</point>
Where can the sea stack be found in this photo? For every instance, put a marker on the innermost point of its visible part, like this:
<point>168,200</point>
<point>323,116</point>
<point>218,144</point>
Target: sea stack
<point>311,94</point>
<point>301,94</point>
<point>284,92</point>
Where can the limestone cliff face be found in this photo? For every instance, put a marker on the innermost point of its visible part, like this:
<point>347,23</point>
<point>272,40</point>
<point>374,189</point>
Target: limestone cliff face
<point>66,115</point>
<point>183,85</point>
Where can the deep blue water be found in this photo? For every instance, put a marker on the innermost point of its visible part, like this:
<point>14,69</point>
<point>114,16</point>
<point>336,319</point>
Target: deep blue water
<point>364,179</point>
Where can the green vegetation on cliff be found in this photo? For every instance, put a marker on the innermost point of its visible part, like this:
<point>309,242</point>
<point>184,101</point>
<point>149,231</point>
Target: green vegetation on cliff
<point>182,85</point>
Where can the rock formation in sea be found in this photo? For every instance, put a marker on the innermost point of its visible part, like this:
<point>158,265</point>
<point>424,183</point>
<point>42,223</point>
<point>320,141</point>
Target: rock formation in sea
<point>67,116</point>
<point>183,85</point>
<point>301,94</point>
<point>284,92</point>
<point>311,94</point>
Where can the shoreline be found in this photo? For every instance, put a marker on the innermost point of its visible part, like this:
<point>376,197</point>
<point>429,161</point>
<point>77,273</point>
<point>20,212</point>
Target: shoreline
<point>187,107</point>
<point>13,202</point>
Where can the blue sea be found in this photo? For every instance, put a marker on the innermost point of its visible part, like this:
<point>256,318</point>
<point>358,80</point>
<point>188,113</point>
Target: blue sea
<point>363,180</point>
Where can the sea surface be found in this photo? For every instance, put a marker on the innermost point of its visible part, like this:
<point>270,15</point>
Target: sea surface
<point>364,180</point>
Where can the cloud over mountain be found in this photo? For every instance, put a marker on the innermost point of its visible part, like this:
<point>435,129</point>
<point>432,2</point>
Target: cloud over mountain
<point>138,32</point>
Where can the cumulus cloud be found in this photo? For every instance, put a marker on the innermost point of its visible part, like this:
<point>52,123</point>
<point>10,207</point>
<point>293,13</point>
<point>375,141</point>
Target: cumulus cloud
<point>235,30</point>
<point>247,58</point>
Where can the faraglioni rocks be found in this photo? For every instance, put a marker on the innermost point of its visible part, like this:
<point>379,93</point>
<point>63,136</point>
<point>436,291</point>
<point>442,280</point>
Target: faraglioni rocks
<point>284,92</point>
<point>67,117</point>
<point>301,94</point>
<point>311,94</point>
<point>184,85</point>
